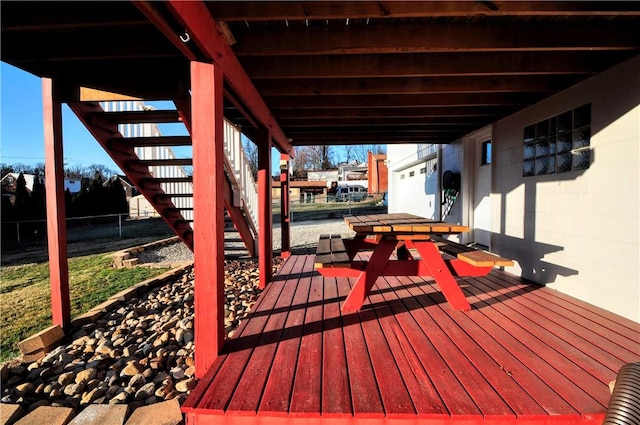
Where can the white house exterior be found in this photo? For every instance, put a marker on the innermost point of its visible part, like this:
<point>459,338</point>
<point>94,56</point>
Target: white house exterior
<point>576,231</point>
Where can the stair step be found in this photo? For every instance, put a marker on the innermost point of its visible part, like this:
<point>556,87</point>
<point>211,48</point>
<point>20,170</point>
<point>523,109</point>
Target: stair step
<point>157,141</point>
<point>139,117</point>
<point>188,179</point>
<point>165,162</point>
<point>154,183</point>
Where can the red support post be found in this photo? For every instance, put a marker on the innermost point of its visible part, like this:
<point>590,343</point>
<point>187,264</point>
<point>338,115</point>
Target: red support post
<point>285,250</point>
<point>265,220</point>
<point>56,214</point>
<point>208,210</point>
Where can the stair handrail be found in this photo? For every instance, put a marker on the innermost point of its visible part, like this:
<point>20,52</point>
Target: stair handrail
<point>244,185</point>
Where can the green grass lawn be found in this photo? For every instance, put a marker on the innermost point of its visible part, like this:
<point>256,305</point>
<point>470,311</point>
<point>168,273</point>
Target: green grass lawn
<point>25,299</point>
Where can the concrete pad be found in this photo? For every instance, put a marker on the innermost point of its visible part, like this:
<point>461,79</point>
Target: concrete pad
<point>165,413</point>
<point>48,415</point>
<point>103,414</point>
<point>10,413</point>
<point>43,339</point>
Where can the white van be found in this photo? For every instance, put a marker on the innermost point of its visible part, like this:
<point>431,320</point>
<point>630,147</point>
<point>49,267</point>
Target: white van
<point>354,193</point>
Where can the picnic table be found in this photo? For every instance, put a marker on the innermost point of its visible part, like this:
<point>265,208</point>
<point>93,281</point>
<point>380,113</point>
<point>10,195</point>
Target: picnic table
<point>401,232</point>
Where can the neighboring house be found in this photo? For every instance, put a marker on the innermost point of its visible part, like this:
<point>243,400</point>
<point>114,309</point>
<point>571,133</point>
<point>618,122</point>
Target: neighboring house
<point>73,185</point>
<point>325,176</point>
<point>352,172</point>
<point>300,191</point>
<point>555,186</point>
<point>9,184</point>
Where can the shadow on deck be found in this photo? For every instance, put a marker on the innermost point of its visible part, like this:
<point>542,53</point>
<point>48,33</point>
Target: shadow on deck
<point>524,353</point>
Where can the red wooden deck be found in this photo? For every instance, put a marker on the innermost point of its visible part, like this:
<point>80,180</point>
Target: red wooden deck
<point>523,354</point>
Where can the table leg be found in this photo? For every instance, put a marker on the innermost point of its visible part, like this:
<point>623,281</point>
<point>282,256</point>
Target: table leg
<point>443,277</point>
<point>368,277</point>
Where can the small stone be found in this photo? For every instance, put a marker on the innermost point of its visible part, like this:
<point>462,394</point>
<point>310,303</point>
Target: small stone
<point>185,385</point>
<point>73,389</point>
<point>66,378</point>
<point>24,389</point>
<point>145,391</point>
<point>86,375</point>
<point>132,368</point>
<point>177,373</point>
<point>104,348</point>
<point>136,381</point>
<point>190,371</point>
<point>91,396</point>
<point>119,398</point>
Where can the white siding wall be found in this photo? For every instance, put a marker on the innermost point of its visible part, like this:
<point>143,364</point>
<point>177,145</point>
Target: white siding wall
<point>415,194</point>
<point>579,231</point>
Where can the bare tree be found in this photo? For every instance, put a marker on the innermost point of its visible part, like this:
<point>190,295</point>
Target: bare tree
<point>251,152</point>
<point>361,152</point>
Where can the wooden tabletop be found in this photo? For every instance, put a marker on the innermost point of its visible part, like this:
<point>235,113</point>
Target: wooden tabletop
<point>400,223</point>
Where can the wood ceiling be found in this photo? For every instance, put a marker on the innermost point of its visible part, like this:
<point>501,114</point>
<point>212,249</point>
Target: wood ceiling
<point>337,72</point>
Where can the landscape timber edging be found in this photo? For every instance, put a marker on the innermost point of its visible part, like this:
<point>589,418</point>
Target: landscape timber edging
<point>123,258</point>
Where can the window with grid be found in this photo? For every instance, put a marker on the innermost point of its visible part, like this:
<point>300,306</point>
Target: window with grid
<point>559,144</point>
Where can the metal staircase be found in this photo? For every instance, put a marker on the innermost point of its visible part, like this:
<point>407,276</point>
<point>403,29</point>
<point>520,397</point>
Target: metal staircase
<point>133,141</point>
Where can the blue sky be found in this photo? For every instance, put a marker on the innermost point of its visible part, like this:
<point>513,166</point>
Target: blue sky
<point>21,126</point>
<point>22,132</point>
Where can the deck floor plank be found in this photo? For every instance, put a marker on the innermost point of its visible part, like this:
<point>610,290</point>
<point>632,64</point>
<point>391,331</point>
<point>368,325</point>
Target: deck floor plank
<point>249,389</point>
<point>220,391</point>
<point>523,354</point>
<point>563,356</point>
<point>593,359</point>
<point>365,394</point>
<point>396,399</point>
<point>518,400</point>
<point>612,321</point>
<point>306,396</point>
<point>452,392</point>
<point>275,399</point>
<point>623,349</point>
<point>484,395</point>
<point>336,399</point>
<point>534,354</point>
<point>421,392</point>
<point>517,371</point>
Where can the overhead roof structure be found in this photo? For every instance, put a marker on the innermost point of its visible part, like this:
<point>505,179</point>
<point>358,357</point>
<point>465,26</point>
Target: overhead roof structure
<point>331,72</point>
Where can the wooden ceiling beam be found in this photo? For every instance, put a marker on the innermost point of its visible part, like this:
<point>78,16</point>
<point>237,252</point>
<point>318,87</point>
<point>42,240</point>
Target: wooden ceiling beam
<point>281,10</point>
<point>64,16</point>
<point>403,100</point>
<point>414,85</point>
<point>428,64</point>
<point>137,43</point>
<point>436,37</point>
<point>377,138</point>
<point>462,111</point>
<point>438,122</point>
<point>368,130</point>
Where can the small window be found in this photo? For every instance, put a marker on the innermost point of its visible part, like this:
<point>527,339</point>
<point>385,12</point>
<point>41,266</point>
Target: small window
<point>401,176</point>
<point>412,173</point>
<point>423,170</point>
<point>486,152</point>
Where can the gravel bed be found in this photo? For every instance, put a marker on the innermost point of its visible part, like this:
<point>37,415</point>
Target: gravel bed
<point>304,239</point>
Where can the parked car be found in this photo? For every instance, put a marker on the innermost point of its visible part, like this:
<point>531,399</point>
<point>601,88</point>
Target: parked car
<point>353,193</point>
